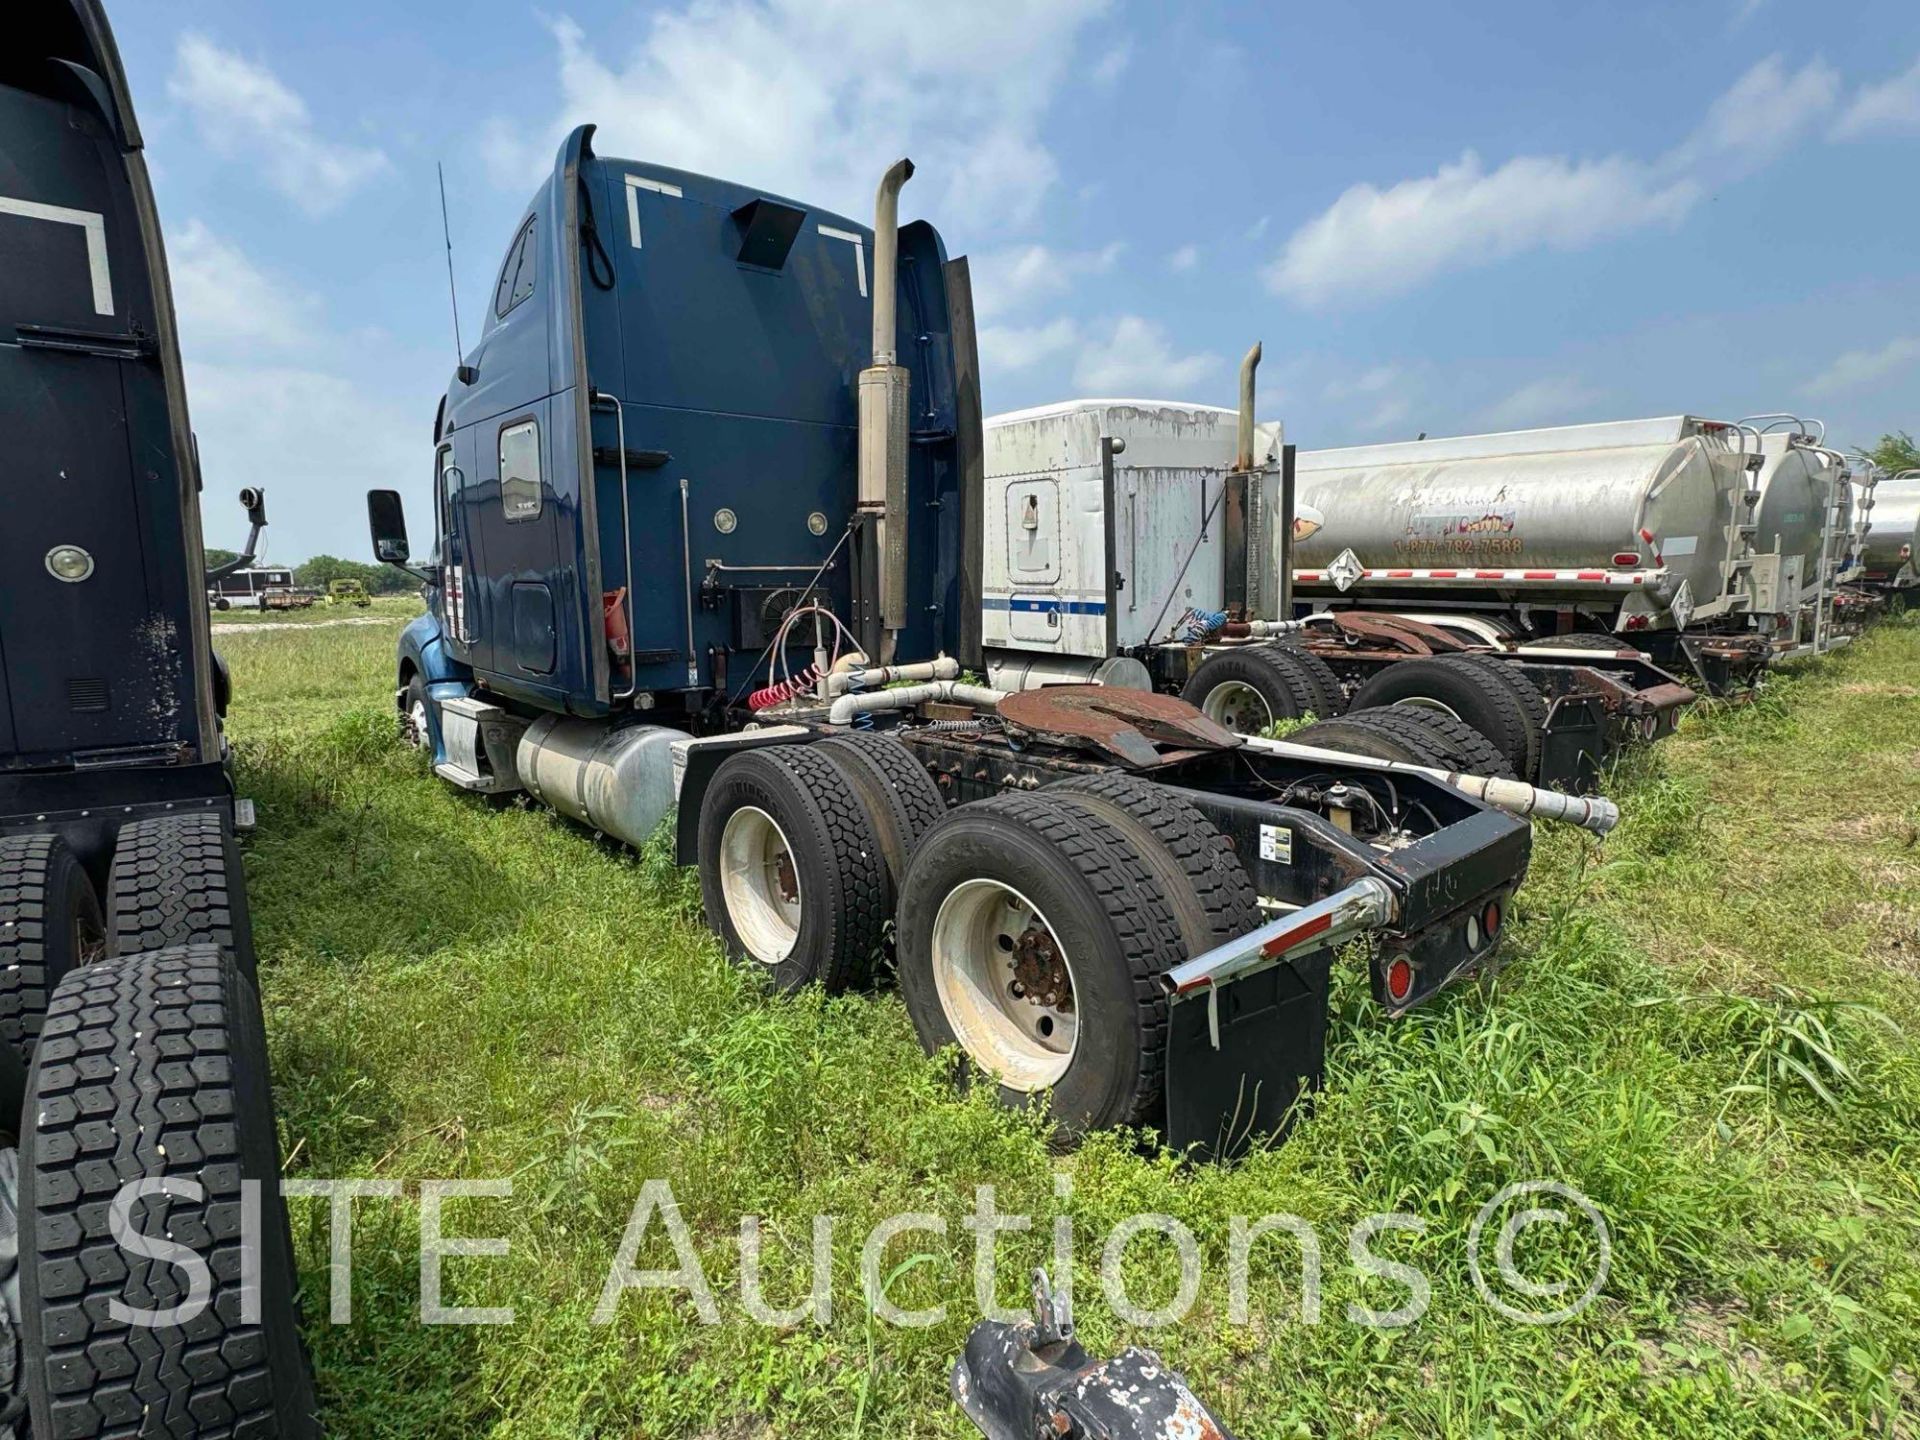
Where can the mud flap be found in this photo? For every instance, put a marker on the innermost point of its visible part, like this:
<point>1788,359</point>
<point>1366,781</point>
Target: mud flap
<point>1240,1054</point>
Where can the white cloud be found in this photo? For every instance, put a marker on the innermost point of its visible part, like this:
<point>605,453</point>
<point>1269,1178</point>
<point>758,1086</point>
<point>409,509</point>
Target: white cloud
<point>1017,279</point>
<point>814,98</point>
<point>1889,108</point>
<point>1761,113</point>
<point>1368,382</point>
<point>1547,401</point>
<point>224,300</point>
<point>1005,348</point>
<point>1857,369</point>
<point>1373,242</point>
<point>1134,356</point>
<point>1111,66</point>
<point>1258,230</point>
<point>243,112</point>
<point>1185,258</point>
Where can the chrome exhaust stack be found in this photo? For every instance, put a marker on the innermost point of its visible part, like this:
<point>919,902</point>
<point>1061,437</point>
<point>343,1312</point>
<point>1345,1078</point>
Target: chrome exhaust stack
<point>883,399</point>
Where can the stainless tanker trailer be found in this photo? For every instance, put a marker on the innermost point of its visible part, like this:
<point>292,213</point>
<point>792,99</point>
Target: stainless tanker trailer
<point>1804,518</point>
<point>1641,527</point>
<point>1887,555</point>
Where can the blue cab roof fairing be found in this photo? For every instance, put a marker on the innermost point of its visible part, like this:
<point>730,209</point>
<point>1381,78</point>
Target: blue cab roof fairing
<point>731,325</point>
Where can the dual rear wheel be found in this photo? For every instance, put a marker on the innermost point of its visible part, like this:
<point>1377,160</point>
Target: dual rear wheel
<point>1032,927</point>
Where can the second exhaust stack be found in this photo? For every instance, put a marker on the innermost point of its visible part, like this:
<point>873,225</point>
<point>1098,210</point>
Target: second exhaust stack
<point>883,397</point>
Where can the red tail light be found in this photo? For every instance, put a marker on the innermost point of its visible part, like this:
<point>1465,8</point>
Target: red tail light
<point>1399,979</point>
<point>1626,559</point>
<point>1637,622</point>
<point>1490,918</point>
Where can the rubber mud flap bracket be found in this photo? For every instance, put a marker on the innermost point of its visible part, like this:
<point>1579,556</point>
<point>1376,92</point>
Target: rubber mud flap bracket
<point>1032,1381</point>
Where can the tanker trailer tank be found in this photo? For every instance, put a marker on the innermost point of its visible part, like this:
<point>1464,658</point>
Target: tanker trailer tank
<point>1894,533</point>
<point>1629,526</point>
<point>1800,525</point>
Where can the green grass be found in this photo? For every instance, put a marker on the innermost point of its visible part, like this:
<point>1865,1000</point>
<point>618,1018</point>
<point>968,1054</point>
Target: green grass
<point>1705,1024</point>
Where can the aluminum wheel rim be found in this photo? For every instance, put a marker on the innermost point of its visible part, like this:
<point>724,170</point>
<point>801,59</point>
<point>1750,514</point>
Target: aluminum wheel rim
<point>760,883</point>
<point>1426,702</point>
<point>417,725</point>
<point>1024,1043</point>
<point>1237,706</point>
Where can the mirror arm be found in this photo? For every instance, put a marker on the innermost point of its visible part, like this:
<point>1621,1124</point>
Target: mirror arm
<point>243,559</point>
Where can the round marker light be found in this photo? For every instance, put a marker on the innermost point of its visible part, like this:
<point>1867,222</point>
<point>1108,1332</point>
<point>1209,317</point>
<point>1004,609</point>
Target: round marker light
<point>1473,933</point>
<point>725,521</point>
<point>69,563</point>
<point>1399,979</point>
<point>1491,917</point>
<point>817,523</point>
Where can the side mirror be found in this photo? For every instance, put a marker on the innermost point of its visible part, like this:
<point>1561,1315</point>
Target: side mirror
<point>254,501</point>
<point>387,519</point>
<point>466,374</point>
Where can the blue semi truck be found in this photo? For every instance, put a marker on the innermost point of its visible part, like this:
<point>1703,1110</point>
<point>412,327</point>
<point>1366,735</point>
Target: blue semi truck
<point>708,530</point>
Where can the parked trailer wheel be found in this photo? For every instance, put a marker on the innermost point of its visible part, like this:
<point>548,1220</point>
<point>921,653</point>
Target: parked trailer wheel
<point>1019,912</point>
<point>177,880</point>
<point>154,1067</point>
<point>901,799</point>
<point>1201,879</point>
<point>1458,686</point>
<point>1247,689</point>
<point>1350,736</point>
<point>50,923</point>
<point>1533,712</point>
<point>791,872</point>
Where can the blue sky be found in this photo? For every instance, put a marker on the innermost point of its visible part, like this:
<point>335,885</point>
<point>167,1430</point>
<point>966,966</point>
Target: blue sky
<point>1438,217</point>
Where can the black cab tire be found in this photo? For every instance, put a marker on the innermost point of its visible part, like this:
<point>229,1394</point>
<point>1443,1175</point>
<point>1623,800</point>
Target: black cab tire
<point>153,1067</point>
<point>1350,737</point>
<point>1248,688</point>
<point>1533,711</point>
<point>1462,685</point>
<point>1454,744</point>
<point>50,923</point>
<point>792,875</point>
<point>1094,904</point>
<point>1203,882</point>
<point>901,798</point>
<point>178,880</point>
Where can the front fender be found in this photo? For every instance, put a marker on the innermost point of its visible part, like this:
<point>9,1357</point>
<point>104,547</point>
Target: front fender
<point>422,651</point>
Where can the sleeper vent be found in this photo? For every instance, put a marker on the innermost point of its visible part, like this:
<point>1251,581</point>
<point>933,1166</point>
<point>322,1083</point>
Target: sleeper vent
<point>86,695</point>
<point>767,229</point>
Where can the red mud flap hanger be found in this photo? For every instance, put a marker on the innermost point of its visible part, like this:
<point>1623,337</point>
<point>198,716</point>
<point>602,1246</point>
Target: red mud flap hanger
<point>1032,1381</point>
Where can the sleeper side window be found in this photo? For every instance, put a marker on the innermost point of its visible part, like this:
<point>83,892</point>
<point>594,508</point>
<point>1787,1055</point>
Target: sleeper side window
<point>516,276</point>
<point>520,471</point>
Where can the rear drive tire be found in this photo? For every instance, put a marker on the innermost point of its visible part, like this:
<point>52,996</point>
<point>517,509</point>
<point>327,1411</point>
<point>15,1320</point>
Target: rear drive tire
<point>1032,935</point>
<point>1202,880</point>
<point>1579,640</point>
<point>1455,744</point>
<point>1533,711</point>
<point>1247,689</point>
<point>154,1067</point>
<point>50,923</point>
<point>1351,737</point>
<point>1457,686</point>
<point>177,880</point>
<point>791,872</point>
<point>901,799</point>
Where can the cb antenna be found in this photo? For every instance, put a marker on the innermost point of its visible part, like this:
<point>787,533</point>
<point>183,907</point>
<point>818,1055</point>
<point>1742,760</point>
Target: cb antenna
<point>446,231</point>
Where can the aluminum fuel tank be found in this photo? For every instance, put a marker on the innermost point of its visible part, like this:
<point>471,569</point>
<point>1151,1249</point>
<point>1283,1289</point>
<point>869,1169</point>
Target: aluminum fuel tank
<point>1797,481</point>
<point>1642,515</point>
<point>1893,530</point>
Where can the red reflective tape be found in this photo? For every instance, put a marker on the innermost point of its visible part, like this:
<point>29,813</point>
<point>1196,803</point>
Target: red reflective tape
<point>1287,939</point>
<point>1593,575</point>
<point>1442,574</point>
<point>1539,575</point>
<point>1306,575</point>
<point>1399,574</point>
<point>1489,574</point>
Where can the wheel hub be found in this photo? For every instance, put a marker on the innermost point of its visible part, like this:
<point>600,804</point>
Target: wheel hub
<point>1040,971</point>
